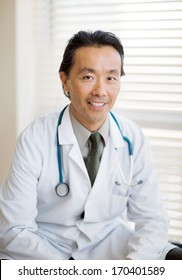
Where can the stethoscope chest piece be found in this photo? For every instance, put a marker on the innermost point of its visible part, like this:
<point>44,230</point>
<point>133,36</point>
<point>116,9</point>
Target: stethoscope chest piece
<point>62,190</point>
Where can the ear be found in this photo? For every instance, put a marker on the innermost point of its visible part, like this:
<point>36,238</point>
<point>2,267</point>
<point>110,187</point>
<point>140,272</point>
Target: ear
<point>64,79</point>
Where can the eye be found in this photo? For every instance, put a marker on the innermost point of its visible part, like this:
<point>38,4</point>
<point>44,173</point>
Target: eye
<point>88,77</point>
<point>112,78</point>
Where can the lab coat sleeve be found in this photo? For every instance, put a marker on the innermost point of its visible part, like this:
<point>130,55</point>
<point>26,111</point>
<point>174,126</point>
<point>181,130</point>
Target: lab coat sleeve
<point>145,207</point>
<point>18,203</point>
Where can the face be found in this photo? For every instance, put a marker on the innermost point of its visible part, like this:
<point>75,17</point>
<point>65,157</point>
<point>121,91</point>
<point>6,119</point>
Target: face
<point>93,84</point>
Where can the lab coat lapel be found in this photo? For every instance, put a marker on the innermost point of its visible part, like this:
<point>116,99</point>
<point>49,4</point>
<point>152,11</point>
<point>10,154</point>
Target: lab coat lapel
<point>115,135</point>
<point>111,152</point>
<point>67,139</point>
<point>102,188</point>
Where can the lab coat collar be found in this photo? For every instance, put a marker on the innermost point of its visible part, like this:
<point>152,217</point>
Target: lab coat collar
<point>115,134</point>
<point>67,137</point>
<point>66,134</point>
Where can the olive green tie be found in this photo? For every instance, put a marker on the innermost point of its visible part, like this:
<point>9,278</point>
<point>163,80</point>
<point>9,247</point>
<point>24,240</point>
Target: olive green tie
<point>93,160</point>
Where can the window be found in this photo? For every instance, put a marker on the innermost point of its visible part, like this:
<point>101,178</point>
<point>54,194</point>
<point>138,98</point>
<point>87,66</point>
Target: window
<point>152,88</point>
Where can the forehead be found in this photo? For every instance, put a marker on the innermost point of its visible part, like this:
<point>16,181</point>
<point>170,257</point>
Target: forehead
<point>104,56</point>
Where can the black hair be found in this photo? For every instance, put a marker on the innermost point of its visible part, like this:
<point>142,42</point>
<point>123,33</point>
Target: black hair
<point>88,38</point>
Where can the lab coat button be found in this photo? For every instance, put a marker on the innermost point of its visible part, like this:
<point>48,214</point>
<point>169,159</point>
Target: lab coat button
<point>82,215</point>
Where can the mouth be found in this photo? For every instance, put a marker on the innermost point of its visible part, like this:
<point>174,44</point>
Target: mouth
<point>97,104</point>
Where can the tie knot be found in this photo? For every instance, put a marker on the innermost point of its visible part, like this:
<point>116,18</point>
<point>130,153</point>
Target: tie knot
<point>95,139</point>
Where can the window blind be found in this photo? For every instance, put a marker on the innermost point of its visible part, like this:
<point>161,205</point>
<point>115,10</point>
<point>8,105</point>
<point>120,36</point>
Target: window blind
<point>151,91</point>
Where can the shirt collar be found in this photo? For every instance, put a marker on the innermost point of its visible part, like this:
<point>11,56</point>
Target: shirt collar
<point>82,134</point>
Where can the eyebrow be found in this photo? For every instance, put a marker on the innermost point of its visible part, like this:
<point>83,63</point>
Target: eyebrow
<point>90,70</point>
<point>86,70</point>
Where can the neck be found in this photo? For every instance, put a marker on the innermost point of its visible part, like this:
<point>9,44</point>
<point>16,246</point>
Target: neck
<point>92,125</point>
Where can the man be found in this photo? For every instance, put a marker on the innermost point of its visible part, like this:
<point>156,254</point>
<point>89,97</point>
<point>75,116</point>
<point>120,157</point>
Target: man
<point>76,185</point>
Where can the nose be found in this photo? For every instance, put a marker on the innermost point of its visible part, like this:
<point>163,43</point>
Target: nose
<point>100,88</point>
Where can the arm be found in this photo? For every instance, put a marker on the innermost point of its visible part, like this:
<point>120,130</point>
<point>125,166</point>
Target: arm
<point>18,203</point>
<point>145,208</point>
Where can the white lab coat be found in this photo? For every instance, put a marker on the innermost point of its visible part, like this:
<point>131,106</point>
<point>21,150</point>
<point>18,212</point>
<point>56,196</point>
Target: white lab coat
<point>37,224</point>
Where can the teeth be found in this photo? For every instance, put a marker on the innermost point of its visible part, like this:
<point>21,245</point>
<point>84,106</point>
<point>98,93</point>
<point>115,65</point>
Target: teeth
<point>97,104</point>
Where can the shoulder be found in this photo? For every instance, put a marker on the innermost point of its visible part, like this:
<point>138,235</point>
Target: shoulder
<point>133,132</point>
<point>40,131</point>
<point>44,124</point>
<point>128,127</point>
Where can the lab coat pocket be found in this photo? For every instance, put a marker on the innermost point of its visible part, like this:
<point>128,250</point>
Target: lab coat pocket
<point>117,204</point>
<point>119,189</point>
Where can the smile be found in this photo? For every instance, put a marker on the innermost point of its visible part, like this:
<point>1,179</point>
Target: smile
<point>96,104</point>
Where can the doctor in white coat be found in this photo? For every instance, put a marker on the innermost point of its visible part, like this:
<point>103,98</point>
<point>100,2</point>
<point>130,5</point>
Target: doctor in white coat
<point>120,215</point>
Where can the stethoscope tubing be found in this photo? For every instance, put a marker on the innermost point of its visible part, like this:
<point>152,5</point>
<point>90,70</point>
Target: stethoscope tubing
<point>126,139</point>
<point>59,156</point>
<point>62,189</point>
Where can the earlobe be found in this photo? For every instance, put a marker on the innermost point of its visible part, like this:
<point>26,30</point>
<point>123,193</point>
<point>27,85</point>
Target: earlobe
<point>63,78</point>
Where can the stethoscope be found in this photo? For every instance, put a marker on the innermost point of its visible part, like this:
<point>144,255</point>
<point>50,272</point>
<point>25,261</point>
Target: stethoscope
<point>62,189</point>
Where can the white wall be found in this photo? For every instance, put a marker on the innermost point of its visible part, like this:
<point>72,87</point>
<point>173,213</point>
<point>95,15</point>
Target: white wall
<point>7,84</point>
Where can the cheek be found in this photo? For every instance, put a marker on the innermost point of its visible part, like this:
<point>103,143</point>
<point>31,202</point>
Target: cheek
<point>115,90</point>
<point>77,96</point>
<point>75,88</point>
